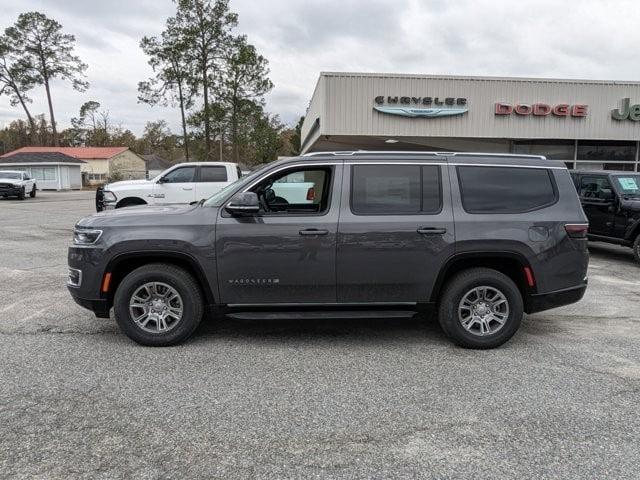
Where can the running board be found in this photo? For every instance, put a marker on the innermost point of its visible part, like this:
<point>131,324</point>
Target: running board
<point>319,314</point>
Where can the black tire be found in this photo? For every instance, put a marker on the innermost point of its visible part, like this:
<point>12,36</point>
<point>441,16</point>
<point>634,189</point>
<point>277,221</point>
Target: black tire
<point>636,249</point>
<point>32,193</point>
<point>455,290</point>
<point>22,194</point>
<point>178,279</point>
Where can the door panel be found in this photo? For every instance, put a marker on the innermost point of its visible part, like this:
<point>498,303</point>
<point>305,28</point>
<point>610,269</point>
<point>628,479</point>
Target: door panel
<point>392,257</point>
<point>177,188</point>
<point>279,258</point>
<point>598,204</point>
<point>211,179</point>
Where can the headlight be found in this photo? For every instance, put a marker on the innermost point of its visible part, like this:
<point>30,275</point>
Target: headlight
<point>86,237</point>
<point>109,196</point>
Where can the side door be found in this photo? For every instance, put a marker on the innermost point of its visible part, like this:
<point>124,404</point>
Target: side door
<point>175,187</point>
<point>285,254</point>
<point>211,179</point>
<point>598,202</point>
<point>396,230</point>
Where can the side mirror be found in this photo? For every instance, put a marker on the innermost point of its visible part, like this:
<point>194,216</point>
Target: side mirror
<point>243,203</point>
<point>161,180</point>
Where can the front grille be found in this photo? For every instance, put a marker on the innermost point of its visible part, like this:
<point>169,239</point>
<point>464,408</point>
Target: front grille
<point>99,199</point>
<point>6,186</point>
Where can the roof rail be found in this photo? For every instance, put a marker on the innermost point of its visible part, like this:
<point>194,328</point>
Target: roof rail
<point>413,152</point>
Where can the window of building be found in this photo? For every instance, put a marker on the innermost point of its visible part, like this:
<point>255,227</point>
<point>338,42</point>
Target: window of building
<point>552,149</point>
<point>505,189</point>
<point>610,151</point>
<point>395,189</point>
<point>180,175</point>
<point>46,174</point>
<point>213,174</point>
<point>627,167</point>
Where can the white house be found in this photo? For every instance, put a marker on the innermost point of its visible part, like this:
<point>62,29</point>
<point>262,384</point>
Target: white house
<point>51,170</point>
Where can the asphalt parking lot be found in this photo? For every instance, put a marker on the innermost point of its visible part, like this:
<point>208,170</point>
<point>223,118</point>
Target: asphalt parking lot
<point>306,399</point>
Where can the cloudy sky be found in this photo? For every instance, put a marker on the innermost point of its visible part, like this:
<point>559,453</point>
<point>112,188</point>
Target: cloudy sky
<point>536,38</point>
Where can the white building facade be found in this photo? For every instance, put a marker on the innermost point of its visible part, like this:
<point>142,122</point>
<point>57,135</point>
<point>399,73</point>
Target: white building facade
<point>585,123</point>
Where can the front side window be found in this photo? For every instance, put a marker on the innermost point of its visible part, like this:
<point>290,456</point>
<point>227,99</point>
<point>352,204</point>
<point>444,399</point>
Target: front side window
<point>395,189</point>
<point>213,174</point>
<point>505,189</point>
<point>295,191</point>
<point>180,175</point>
<point>595,188</point>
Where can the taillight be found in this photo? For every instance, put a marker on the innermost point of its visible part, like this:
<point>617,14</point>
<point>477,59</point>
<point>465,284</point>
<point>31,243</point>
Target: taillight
<point>577,230</point>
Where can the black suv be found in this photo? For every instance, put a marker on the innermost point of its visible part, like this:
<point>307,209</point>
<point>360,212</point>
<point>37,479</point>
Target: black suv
<point>611,201</point>
<point>483,238</point>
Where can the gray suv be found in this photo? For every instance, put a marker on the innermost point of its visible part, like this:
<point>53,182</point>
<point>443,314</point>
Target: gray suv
<point>481,238</point>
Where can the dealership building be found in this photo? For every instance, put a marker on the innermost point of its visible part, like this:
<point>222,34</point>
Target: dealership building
<point>587,124</point>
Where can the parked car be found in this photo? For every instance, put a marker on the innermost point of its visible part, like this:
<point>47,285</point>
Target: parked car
<point>483,238</point>
<point>16,184</point>
<point>611,201</point>
<point>181,184</point>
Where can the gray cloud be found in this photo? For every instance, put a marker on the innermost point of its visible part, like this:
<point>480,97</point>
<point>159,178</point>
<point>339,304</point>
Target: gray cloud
<point>573,39</point>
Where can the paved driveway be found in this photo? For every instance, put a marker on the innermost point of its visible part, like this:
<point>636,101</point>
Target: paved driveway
<point>306,399</point>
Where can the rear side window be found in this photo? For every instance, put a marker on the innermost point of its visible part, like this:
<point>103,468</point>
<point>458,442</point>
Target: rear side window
<point>395,189</point>
<point>213,174</point>
<point>505,189</point>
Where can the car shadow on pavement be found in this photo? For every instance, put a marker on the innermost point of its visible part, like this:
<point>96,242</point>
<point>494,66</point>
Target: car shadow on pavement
<point>419,327</point>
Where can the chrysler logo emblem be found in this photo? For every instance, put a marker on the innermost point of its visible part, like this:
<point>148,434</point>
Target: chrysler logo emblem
<point>414,107</point>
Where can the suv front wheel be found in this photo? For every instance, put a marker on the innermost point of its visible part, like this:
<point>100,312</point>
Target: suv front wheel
<point>158,305</point>
<point>480,308</point>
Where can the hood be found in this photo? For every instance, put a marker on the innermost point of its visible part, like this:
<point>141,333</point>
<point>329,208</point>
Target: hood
<point>632,204</point>
<point>12,181</point>
<point>144,214</point>
<point>126,183</point>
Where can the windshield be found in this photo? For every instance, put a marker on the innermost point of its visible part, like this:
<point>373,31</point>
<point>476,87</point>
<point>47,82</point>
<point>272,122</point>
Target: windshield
<point>629,185</point>
<point>11,175</point>
<point>219,198</point>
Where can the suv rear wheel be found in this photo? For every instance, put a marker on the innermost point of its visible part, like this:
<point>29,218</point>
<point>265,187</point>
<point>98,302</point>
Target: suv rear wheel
<point>636,249</point>
<point>158,305</point>
<point>480,308</point>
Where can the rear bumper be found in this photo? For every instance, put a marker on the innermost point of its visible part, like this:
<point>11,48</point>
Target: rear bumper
<point>544,301</point>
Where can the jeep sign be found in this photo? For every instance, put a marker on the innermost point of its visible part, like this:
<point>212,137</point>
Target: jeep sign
<point>626,111</point>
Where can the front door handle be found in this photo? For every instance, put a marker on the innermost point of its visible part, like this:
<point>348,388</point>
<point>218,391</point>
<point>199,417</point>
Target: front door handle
<point>187,188</point>
<point>431,231</point>
<point>313,231</point>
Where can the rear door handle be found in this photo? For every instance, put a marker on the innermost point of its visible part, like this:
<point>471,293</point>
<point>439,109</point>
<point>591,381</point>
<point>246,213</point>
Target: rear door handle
<point>431,231</point>
<point>313,231</point>
<point>187,188</point>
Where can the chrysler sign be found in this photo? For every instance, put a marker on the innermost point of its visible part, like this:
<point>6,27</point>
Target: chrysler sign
<point>421,107</point>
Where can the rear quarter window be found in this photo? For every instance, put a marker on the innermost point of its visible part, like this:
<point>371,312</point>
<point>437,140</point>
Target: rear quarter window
<point>505,189</point>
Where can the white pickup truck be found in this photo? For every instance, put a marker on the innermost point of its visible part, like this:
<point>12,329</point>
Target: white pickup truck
<point>16,184</point>
<point>181,184</point>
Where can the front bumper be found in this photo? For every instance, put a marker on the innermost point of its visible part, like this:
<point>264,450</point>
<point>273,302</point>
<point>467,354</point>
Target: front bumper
<point>10,191</point>
<point>99,306</point>
<point>544,301</point>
